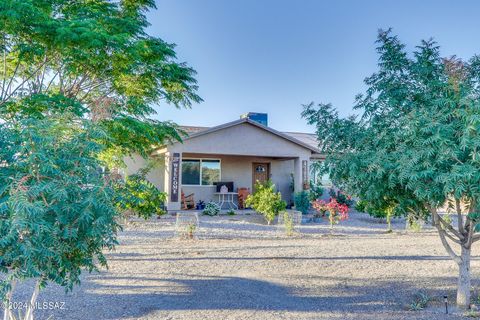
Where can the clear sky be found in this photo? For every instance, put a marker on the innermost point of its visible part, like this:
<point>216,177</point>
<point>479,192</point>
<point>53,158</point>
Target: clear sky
<point>275,55</point>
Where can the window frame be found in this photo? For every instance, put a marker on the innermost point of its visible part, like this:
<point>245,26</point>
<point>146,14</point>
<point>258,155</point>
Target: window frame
<point>201,161</point>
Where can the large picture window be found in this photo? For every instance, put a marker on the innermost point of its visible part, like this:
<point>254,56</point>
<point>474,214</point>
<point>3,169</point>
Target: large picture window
<point>202,172</point>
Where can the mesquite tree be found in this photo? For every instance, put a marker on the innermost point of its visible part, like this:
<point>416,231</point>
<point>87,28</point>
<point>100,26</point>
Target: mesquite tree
<point>78,82</point>
<point>416,142</point>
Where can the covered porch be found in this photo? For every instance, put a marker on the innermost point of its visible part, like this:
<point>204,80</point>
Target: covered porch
<point>198,174</point>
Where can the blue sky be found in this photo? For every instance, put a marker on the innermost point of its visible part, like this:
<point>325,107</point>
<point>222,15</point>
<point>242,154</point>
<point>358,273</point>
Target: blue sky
<point>275,55</point>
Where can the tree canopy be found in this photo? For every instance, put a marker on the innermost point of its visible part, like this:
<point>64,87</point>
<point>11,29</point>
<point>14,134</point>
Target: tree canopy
<point>79,81</point>
<point>415,142</point>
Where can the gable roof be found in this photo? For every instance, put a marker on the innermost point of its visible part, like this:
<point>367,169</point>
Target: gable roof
<point>305,140</point>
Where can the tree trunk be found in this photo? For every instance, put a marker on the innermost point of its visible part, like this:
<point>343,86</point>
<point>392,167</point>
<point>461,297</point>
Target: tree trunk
<point>33,300</point>
<point>7,313</point>
<point>463,289</point>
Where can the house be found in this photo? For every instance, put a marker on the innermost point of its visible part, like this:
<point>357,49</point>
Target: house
<point>241,151</point>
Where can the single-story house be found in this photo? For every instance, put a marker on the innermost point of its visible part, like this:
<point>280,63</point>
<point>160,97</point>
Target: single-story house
<point>242,151</point>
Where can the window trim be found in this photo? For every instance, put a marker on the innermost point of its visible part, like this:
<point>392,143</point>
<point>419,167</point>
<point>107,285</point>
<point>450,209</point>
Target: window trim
<point>201,161</point>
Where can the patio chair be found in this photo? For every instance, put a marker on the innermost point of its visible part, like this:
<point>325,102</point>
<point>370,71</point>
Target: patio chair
<point>188,202</point>
<point>242,196</point>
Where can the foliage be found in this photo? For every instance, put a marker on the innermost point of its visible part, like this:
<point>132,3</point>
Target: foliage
<point>341,197</point>
<point>211,209</point>
<point>361,206</point>
<point>415,142</point>
<point>97,54</point>
<point>302,201</point>
<point>420,301</point>
<point>315,192</point>
<point>336,211</point>
<point>231,212</point>
<point>288,223</point>
<point>56,207</point>
<point>93,63</point>
<point>138,194</point>
<point>266,201</point>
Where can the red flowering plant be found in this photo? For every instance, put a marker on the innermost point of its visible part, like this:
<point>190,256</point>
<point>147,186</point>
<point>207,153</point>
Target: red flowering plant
<point>336,211</point>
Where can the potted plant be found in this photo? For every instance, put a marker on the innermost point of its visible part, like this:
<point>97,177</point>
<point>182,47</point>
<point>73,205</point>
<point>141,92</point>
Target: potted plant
<point>200,205</point>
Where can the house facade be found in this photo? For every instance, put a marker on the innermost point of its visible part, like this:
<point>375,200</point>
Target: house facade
<point>238,153</point>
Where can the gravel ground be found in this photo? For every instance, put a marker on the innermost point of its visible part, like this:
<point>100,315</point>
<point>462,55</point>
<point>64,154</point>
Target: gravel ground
<point>240,268</point>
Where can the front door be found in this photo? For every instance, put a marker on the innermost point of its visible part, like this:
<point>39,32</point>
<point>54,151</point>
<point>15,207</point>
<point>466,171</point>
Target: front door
<point>261,173</point>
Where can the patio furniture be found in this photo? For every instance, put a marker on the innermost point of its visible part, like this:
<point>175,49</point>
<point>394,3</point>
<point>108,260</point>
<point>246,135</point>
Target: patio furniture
<point>242,196</point>
<point>188,202</point>
<point>226,198</point>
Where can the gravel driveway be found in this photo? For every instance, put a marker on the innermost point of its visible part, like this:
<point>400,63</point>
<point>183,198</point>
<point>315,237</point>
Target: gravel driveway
<point>240,268</point>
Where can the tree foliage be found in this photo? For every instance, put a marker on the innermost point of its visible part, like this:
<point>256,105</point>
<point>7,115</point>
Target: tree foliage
<point>56,213</point>
<point>78,84</point>
<point>415,144</point>
<point>98,54</point>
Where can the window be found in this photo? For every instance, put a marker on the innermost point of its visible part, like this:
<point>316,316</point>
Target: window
<point>200,171</point>
<point>191,172</point>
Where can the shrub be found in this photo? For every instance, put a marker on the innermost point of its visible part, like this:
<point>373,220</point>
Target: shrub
<point>211,209</point>
<point>231,212</point>
<point>336,211</point>
<point>316,191</point>
<point>302,202</point>
<point>265,201</point>
<point>139,195</point>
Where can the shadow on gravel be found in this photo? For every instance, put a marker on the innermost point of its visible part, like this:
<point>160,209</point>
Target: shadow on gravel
<point>131,300</point>
<point>348,258</point>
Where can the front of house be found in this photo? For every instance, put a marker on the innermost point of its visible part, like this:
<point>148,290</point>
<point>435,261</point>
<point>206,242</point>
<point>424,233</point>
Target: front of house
<point>239,152</point>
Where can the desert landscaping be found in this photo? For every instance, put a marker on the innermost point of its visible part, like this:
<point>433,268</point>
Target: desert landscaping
<point>240,268</point>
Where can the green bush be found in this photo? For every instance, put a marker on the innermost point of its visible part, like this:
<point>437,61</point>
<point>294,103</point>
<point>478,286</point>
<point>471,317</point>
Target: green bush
<point>265,201</point>
<point>211,209</point>
<point>302,201</point>
<point>316,191</point>
<point>361,206</point>
<point>139,195</point>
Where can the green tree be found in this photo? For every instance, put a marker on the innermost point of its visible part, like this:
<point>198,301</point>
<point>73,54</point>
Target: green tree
<point>56,209</point>
<point>78,84</point>
<point>415,144</point>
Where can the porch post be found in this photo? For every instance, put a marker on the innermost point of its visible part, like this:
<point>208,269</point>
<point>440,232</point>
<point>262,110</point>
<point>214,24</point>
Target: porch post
<point>173,179</point>
<point>300,175</point>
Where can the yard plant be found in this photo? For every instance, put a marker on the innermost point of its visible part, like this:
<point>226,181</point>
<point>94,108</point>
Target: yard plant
<point>415,145</point>
<point>266,201</point>
<point>335,211</point>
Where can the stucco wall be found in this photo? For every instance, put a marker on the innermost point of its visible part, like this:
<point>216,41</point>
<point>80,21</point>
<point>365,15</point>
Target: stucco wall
<point>243,139</point>
<point>239,170</point>
<point>155,176</point>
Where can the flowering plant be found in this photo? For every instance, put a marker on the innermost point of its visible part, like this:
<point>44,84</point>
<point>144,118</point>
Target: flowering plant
<point>336,211</point>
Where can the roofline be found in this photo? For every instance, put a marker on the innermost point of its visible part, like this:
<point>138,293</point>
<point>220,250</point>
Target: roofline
<point>256,124</point>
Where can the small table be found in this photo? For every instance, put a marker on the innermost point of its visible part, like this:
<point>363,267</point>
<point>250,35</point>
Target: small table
<point>226,197</point>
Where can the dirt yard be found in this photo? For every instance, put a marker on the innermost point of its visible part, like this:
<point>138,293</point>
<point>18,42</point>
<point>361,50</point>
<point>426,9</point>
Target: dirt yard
<point>240,268</point>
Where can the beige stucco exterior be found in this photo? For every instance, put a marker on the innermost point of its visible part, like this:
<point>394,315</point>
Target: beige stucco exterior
<point>237,145</point>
